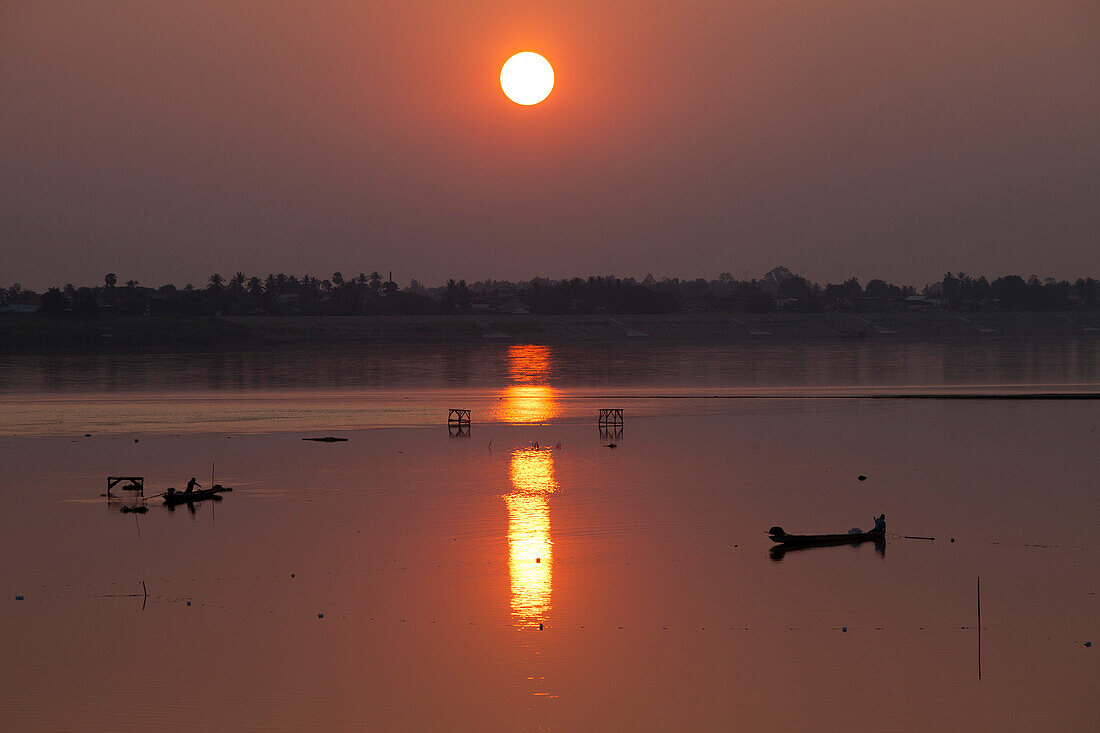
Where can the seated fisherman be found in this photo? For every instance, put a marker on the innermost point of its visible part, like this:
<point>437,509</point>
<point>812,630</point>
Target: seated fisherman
<point>880,523</point>
<point>191,485</point>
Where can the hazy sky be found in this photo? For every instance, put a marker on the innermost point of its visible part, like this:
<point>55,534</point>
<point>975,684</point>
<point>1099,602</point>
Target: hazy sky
<point>166,140</point>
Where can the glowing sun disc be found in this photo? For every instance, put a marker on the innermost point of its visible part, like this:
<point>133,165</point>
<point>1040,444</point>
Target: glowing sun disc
<point>527,78</point>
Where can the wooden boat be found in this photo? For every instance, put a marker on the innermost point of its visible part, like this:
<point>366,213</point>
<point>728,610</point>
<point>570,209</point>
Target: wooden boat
<point>778,535</point>
<point>173,497</point>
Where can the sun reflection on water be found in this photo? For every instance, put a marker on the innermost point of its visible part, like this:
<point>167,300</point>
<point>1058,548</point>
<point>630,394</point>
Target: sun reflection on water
<point>529,403</point>
<point>530,549</point>
<point>528,398</point>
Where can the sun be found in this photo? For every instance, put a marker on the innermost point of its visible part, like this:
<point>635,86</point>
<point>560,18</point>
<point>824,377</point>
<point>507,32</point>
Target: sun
<point>527,78</point>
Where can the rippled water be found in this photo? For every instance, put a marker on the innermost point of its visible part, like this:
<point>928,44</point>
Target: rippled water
<point>527,576</point>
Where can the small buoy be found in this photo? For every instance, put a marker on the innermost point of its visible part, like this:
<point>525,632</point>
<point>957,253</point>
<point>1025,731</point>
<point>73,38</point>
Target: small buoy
<point>320,615</point>
<point>952,539</point>
<point>189,603</point>
<point>292,575</point>
<point>862,477</point>
<point>135,440</point>
<point>538,559</point>
<point>19,598</point>
<point>1087,643</point>
<point>844,629</point>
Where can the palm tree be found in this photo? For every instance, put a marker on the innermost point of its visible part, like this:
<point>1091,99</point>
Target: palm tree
<point>238,281</point>
<point>216,281</point>
<point>255,286</point>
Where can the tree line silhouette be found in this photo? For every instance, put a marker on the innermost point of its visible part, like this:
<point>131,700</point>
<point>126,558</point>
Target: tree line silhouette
<point>363,294</point>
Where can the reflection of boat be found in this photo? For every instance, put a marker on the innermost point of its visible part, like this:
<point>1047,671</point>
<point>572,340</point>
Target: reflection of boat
<point>173,497</point>
<point>778,535</point>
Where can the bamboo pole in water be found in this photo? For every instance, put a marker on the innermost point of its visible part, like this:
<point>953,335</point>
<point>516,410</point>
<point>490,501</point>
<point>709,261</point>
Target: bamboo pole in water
<point>979,627</point>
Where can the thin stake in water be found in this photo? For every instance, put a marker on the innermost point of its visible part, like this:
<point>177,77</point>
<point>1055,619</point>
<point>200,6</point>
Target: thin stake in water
<point>979,627</point>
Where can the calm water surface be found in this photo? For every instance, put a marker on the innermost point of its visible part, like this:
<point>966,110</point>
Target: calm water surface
<point>529,577</point>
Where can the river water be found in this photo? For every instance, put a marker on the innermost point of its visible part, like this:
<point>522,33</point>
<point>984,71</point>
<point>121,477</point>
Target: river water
<point>534,572</point>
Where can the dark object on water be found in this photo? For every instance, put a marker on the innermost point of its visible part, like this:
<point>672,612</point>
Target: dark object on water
<point>778,535</point>
<point>134,509</point>
<point>129,483</point>
<point>612,445</point>
<point>173,497</point>
<point>862,477</point>
<point>327,439</point>
<point>797,542</point>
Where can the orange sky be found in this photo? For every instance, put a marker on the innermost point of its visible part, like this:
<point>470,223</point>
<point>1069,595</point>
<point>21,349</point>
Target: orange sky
<point>165,141</point>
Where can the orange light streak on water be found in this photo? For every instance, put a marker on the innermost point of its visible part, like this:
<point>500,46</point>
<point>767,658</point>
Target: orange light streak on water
<point>530,548</point>
<point>529,399</point>
<point>528,364</point>
<point>533,403</point>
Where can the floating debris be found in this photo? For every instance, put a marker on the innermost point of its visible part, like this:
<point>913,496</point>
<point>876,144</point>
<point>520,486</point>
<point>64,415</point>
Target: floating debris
<point>861,477</point>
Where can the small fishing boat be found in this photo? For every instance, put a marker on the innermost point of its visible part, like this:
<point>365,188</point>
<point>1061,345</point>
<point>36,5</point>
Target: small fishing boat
<point>778,535</point>
<point>173,497</point>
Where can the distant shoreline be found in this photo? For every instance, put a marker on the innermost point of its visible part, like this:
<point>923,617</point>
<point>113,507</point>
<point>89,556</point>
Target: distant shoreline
<point>23,334</point>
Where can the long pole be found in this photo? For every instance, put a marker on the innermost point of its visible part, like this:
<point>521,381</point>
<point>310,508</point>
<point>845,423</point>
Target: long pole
<point>979,627</point>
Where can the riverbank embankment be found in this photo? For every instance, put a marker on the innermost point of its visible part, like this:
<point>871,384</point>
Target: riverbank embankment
<point>34,333</point>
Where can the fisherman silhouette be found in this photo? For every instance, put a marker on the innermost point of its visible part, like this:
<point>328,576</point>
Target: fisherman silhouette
<point>191,485</point>
<point>880,523</point>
